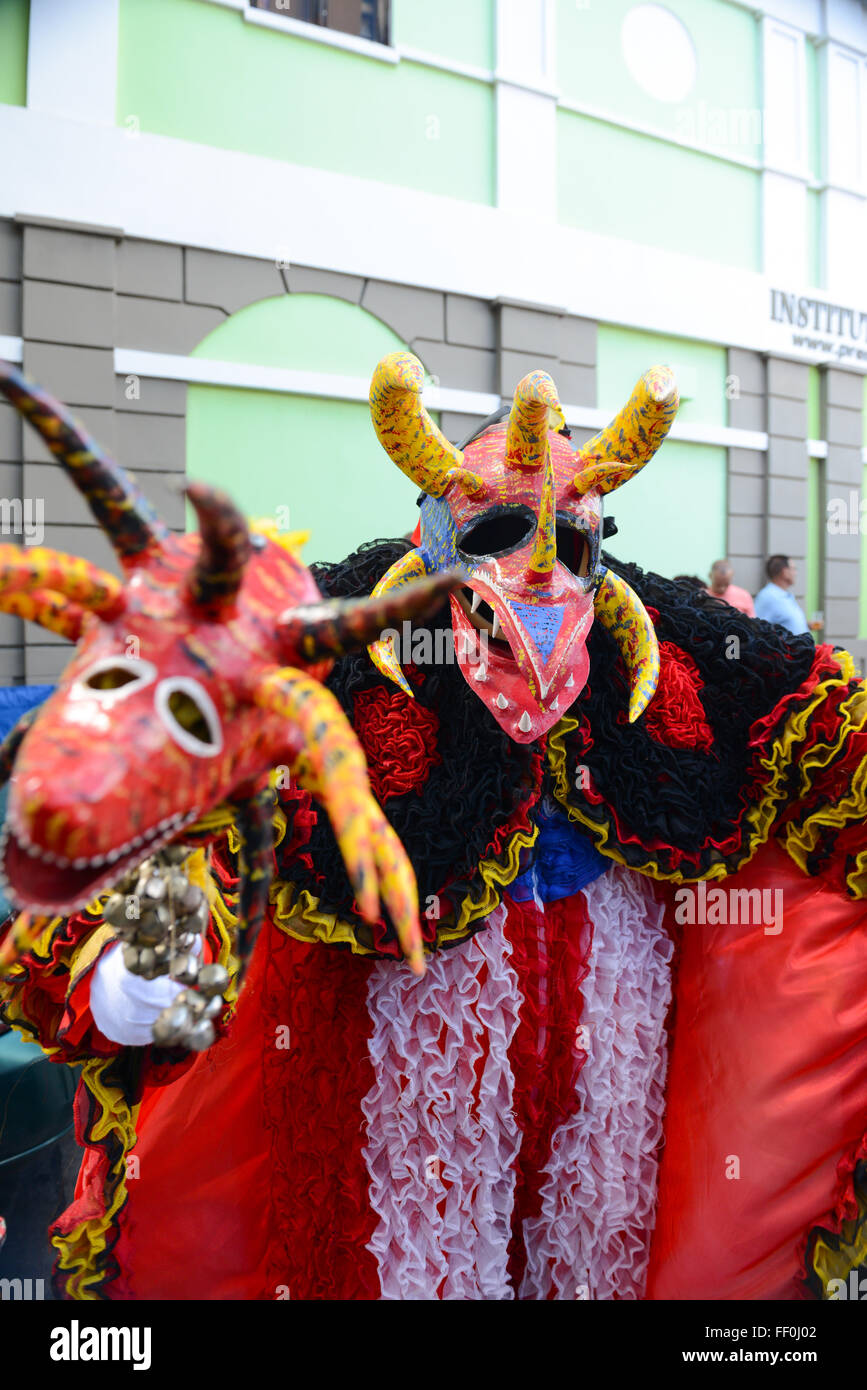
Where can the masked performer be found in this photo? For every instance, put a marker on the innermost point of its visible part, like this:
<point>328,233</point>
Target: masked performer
<point>604,784</point>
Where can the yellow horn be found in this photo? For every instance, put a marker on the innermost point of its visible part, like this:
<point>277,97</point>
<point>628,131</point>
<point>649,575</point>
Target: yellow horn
<point>535,411</point>
<point>633,437</point>
<point>409,567</point>
<point>619,609</point>
<point>544,554</point>
<point>408,434</point>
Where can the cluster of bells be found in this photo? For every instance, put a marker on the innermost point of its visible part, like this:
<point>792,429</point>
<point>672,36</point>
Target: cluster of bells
<point>158,914</point>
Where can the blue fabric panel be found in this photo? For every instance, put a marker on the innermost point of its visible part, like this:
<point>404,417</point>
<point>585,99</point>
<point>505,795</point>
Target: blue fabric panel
<point>15,700</point>
<point>565,862</point>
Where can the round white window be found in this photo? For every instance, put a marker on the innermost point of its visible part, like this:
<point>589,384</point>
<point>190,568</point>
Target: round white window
<point>659,52</point>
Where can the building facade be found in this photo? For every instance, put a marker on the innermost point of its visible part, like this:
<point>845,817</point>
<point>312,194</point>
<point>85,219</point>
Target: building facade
<point>215,218</point>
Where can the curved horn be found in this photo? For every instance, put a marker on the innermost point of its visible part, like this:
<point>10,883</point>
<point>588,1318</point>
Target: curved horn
<point>120,507</point>
<point>409,567</point>
<point>336,626</point>
<point>619,609</point>
<point>614,455</point>
<point>334,768</point>
<point>544,554</point>
<point>49,610</point>
<point>535,411</point>
<point>408,434</point>
<point>67,576</point>
<point>216,576</point>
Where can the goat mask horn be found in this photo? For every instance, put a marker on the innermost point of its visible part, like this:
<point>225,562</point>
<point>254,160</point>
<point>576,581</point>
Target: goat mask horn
<point>121,508</point>
<point>616,454</point>
<point>216,576</point>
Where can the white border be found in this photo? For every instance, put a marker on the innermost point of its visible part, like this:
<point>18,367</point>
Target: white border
<point>205,371</point>
<point>11,349</point>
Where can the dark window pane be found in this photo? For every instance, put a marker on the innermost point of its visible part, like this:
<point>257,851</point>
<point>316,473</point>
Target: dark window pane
<point>367,19</point>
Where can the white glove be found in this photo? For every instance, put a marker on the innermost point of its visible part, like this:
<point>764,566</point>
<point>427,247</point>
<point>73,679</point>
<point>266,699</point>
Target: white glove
<point>125,1006</point>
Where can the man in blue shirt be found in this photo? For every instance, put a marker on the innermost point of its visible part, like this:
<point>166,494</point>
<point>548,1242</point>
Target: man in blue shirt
<point>776,602</point>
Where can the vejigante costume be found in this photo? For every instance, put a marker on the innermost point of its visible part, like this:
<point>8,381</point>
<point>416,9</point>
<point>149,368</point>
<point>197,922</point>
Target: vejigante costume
<point>619,1052</point>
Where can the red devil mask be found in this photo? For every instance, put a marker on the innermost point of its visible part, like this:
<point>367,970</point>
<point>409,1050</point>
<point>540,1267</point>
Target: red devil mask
<point>519,514</point>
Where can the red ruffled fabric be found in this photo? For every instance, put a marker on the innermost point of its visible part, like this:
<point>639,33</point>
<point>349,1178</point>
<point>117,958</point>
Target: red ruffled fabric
<point>550,952</point>
<point>313,1112</point>
<point>764,732</point>
<point>845,1208</point>
<point>675,715</point>
<point>399,738</point>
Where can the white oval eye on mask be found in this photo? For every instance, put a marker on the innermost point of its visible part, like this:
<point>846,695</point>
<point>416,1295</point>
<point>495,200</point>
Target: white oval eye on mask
<point>113,678</point>
<point>190,716</point>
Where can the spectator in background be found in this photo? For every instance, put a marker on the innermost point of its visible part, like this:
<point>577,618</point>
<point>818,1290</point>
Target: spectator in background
<point>776,602</point>
<point>721,586</point>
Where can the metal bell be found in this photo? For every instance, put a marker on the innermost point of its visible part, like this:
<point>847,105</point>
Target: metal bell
<point>201,1036</point>
<point>213,979</point>
<point>184,968</point>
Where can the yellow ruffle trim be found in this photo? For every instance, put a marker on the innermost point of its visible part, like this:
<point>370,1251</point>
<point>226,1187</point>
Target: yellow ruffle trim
<point>801,840</point>
<point>298,915</point>
<point>759,818</point>
<point>837,1264</point>
<point>79,1250</point>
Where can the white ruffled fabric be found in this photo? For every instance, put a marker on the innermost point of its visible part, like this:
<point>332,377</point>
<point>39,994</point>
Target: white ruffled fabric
<point>592,1237</point>
<point>442,1144</point>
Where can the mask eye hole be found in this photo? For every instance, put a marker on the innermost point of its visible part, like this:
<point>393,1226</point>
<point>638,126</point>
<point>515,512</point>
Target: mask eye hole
<point>497,533</point>
<point>113,678</point>
<point>188,713</point>
<point>573,550</point>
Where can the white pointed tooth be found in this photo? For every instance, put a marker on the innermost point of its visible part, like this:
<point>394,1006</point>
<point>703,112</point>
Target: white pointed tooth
<point>570,681</point>
<point>98,861</point>
<point>502,701</point>
<point>80,863</point>
<point>477,598</point>
<point>555,703</point>
<point>524,723</point>
<point>495,625</point>
<point>481,672</point>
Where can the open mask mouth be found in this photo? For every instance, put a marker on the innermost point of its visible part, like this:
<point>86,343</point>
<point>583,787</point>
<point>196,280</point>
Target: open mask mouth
<point>522,701</point>
<point>38,880</point>
<point>483,619</point>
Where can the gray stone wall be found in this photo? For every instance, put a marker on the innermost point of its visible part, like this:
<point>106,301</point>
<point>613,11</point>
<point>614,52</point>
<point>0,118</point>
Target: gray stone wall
<point>842,421</point>
<point>747,471</point>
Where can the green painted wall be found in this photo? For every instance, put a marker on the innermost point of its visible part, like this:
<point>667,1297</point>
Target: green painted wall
<point>617,183</point>
<point>671,516</point>
<point>723,108</point>
<point>623,355</point>
<point>199,73</point>
<point>14,22</point>
<point>309,332</point>
<point>814,110</point>
<point>815,272</point>
<point>463,30</point>
<point>318,458</point>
